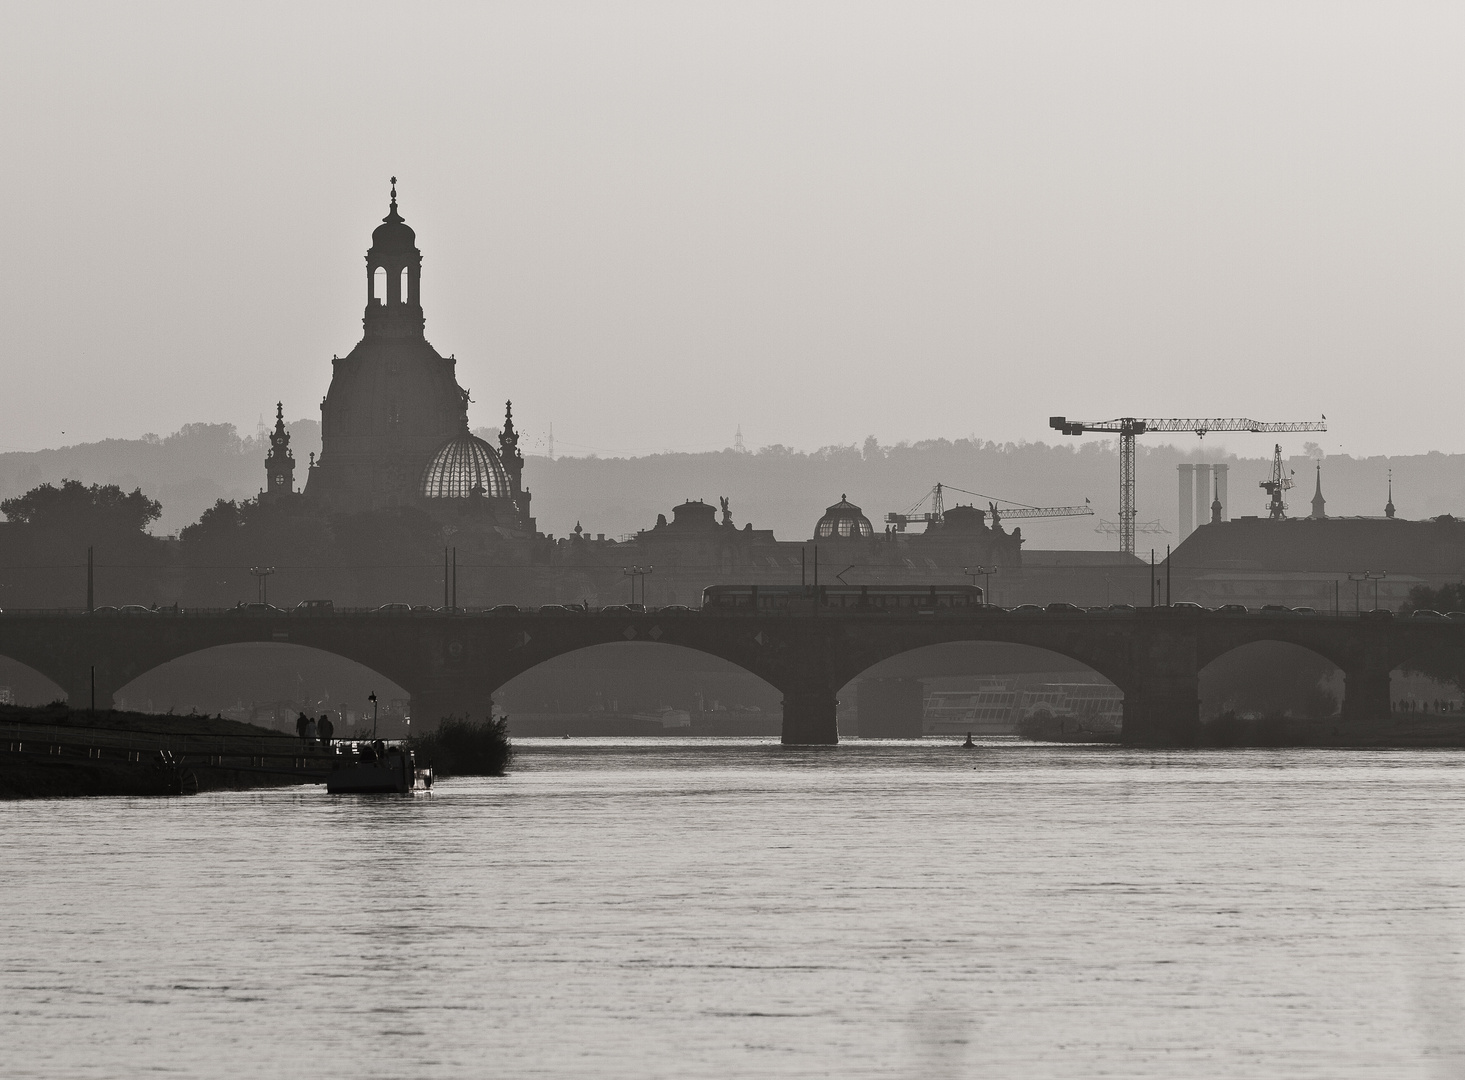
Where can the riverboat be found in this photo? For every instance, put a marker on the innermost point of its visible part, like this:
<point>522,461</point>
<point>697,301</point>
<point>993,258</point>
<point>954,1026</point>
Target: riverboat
<point>376,768</point>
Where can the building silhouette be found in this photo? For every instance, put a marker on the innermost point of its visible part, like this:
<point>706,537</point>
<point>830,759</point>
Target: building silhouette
<point>394,422</point>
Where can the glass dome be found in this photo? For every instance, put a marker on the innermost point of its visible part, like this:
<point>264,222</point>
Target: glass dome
<point>464,466</point>
<point>843,521</point>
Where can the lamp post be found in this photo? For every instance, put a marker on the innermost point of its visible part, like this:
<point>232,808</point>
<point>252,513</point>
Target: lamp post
<point>634,572</point>
<point>261,577</point>
<point>986,572</point>
<point>372,698</point>
<point>1358,579</point>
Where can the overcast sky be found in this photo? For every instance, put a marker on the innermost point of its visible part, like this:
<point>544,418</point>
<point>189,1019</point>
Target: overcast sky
<point>649,223</point>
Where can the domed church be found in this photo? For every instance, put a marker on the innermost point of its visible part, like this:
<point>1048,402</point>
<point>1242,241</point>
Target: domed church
<point>394,423</point>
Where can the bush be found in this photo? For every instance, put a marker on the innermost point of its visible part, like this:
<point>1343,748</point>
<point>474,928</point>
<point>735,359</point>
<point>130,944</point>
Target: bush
<point>463,747</point>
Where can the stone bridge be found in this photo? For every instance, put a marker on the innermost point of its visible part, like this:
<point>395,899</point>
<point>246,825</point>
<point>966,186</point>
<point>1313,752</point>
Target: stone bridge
<point>451,663</point>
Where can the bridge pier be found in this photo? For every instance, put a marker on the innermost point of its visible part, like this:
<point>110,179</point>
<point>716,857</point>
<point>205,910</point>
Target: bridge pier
<point>1162,713</point>
<point>434,703</point>
<point>78,687</point>
<point>1366,692</point>
<point>809,716</point>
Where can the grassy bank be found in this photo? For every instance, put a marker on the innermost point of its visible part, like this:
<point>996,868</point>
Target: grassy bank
<point>462,747</point>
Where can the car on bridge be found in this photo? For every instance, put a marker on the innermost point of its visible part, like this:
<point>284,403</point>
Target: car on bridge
<point>1426,613</point>
<point>1061,608</point>
<point>314,607</point>
<point>1233,609</point>
<point>394,609</point>
<point>242,608</point>
<point>1186,605</point>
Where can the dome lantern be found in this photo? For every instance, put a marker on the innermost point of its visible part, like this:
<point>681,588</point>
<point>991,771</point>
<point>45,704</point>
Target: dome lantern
<point>843,521</point>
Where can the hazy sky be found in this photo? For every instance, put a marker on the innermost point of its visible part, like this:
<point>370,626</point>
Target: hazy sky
<point>650,223</point>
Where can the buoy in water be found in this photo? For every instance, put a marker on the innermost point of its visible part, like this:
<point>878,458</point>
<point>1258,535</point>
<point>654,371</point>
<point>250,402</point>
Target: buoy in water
<point>969,745</point>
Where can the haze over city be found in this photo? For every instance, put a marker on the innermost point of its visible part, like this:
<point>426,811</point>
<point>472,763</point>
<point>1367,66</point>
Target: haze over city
<point>650,224</point>
<point>662,540</point>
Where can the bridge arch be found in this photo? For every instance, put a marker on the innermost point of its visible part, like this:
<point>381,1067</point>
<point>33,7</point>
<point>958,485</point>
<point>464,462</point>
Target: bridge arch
<point>29,685</point>
<point>638,687</point>
<point>1271,676</point>
<point>274,681</point>
<point>996,685</point>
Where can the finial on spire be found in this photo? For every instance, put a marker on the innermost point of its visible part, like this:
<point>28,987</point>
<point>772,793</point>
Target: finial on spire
<point>279,410</point>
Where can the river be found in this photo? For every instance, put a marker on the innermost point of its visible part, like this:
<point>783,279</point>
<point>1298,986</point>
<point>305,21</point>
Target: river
<point>726,908</point>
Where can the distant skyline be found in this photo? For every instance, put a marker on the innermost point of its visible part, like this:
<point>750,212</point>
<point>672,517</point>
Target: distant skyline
<point>650,224</point>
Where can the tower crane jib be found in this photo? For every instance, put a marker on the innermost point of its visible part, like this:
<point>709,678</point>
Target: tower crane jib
<point>1129,427</point>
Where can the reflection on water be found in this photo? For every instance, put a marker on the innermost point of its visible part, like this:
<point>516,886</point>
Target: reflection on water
<point>728,908</point>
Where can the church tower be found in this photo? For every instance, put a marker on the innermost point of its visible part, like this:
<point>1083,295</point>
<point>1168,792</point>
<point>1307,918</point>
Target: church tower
<point>279,463</point>
<point>1319,504</point>
<point>394,423</point>
<point>393,400</point>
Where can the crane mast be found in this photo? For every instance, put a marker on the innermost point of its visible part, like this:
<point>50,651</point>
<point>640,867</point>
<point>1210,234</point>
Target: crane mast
<point>1129,427</point>
<point>1280,483</point>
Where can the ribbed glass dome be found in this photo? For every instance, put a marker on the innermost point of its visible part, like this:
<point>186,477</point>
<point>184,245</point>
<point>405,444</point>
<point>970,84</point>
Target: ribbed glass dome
<point>464,466</point>
<point>844,520</point>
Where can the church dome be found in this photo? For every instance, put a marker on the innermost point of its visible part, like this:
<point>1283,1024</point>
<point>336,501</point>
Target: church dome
<point>843,521</point>
<point>465,465</point>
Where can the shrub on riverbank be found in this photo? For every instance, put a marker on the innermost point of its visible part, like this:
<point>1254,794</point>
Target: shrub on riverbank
<point>463,747</point>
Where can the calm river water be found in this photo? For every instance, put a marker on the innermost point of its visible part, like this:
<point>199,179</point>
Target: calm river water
<point>731,908</point>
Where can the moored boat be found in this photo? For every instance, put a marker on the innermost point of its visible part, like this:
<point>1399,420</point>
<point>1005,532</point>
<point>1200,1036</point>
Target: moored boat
<point>377,768</point>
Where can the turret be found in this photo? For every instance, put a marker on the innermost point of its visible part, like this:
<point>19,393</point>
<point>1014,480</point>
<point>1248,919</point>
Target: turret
<point>280,462</point>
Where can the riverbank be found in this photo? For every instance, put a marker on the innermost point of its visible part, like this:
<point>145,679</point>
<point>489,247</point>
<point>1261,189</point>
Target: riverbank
<point>56,752</point>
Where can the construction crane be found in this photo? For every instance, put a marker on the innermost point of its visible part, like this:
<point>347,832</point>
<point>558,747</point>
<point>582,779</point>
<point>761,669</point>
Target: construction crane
<point>1111,528</point>
<point>1280,482</point>
<point>1128,427</point>
<point>1016,510</point>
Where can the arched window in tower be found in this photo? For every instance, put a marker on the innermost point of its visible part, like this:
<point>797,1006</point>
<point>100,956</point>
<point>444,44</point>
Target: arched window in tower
<point>379,285</point>
<point>406,284</point>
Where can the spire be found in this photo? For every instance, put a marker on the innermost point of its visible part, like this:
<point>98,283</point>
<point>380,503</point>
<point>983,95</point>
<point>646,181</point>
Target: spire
<point>509,447</point>
<point>280,461</point>
<point>1389,506</point>
<point>1319,505</point>
<point>393,215</point>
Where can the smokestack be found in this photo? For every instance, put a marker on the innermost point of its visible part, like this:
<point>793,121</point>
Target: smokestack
<point>1187,487</point>
<point>1221,488</point>
<point>1202,495</point>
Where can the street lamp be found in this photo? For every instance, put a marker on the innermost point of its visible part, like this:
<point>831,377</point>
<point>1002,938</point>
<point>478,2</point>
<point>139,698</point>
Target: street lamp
<point>634,572</point>
<point>1358,579</point>
<point>372,698</point>
<point>261,577</point>
<point>986,572</point>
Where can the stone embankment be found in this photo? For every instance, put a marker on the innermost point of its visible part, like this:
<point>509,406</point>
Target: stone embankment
<point>56,752</point>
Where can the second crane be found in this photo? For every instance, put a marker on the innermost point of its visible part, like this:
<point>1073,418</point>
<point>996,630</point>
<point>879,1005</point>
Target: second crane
<point>1128,427</point>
